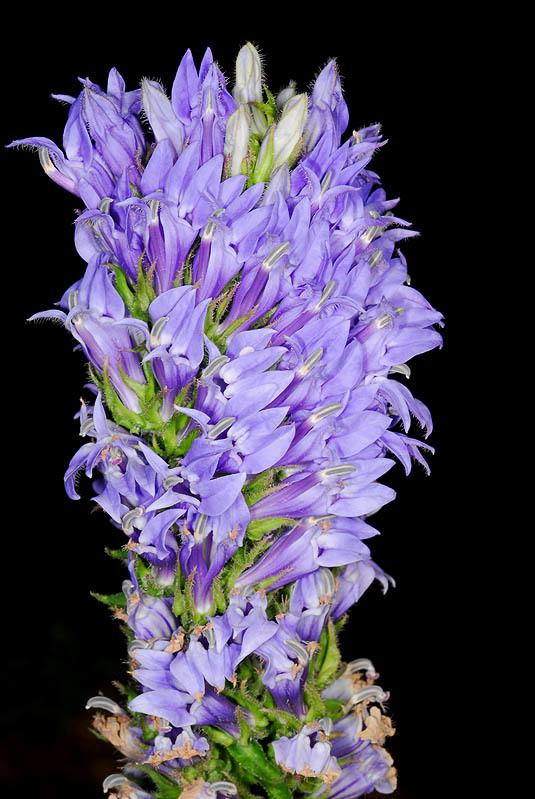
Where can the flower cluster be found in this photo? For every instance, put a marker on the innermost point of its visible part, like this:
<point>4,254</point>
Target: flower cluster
<point>246,314</point>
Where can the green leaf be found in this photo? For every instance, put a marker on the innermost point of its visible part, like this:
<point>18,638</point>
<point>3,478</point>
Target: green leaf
<point>112,600</point>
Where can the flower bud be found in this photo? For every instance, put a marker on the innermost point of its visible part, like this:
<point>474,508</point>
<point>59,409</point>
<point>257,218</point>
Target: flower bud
<point>248,87</point>
<point>285,95</point>
<point>289,130</point>
<point>237,141</point>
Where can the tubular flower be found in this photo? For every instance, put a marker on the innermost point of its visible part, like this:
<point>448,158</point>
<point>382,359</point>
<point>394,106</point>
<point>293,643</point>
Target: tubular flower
<point>246,313</point>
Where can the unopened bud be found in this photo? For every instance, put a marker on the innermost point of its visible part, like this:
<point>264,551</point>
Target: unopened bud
<point>286,94</point>
<point>248,87</point>
<point>289,130</point>
<point>237,141</point>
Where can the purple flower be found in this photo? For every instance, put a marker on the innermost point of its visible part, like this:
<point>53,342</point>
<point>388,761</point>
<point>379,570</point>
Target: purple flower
<point>308,753</point>
<point>248,317</point>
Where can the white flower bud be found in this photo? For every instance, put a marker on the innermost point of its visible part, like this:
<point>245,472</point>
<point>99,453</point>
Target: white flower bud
<point>248,88</point>
<point>289,129</point>
<point>286,94</point>
<point>237,140</point>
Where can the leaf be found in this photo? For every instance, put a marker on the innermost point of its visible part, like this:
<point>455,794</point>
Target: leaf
<point>112,600</point>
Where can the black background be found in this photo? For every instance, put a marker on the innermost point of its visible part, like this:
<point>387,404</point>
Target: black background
<point>424,79</point>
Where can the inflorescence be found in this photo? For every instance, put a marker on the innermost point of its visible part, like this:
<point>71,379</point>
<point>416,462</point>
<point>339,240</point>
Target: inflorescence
<point>247,317</point>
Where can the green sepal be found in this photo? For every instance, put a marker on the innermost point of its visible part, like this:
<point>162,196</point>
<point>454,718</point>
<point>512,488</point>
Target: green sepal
<point>263,321</point>
<point>263,584</point>
<point>139,389</point>
<point>122,287</point>
<point>185,444</point>
<point>284,718</point>
<point>280,791</point>
<point>262,170</point>
<point>220,339</point>
<point>268,109</point>
<point>112,600</point>
<point>121,414</point>
<point>258,528</point>
<point>218,736</point>
<point>334,708</point>
<point>252,758</point>
<point>117,554</point>
<point>242,560</point>
<point>145,293</point>
<point>184,276</point>
<point>218,595</point>
<point>330,656</point>
<point>255,708</point>
<point>262,485</point>
<point>178,601</point>
<point>316,705</point>
<point>226,297</point>
<point>98,735</point>
<point>271,102</point>
<point>309,785</point>
<point>190,611</point>
<point>166,788</point>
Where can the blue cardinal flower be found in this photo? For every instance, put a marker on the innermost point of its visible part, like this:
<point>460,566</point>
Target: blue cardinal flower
<point>248,318</point>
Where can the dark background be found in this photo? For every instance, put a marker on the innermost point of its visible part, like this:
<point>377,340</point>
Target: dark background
<point>425,81</point>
